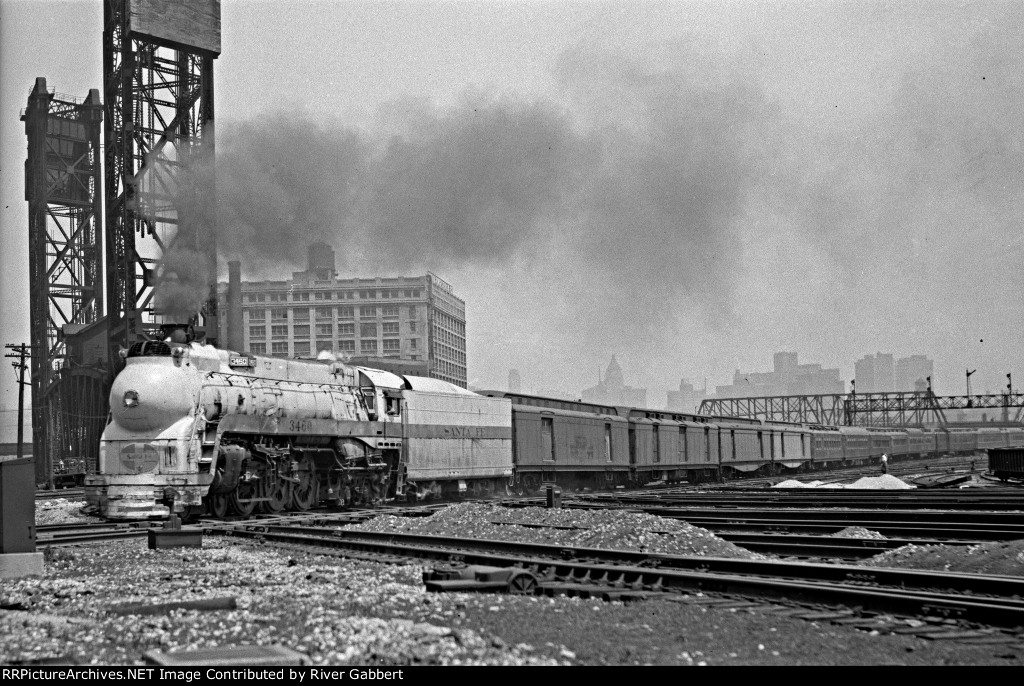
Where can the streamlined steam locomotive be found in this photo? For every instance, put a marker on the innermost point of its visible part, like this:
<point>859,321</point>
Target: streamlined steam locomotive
<point>193,428</point>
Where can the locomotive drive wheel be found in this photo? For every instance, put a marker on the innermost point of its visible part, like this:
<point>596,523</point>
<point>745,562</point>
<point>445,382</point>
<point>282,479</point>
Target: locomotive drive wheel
<point>191,513</point>
<point>241,499</point>
<point>278,493</point>
<point>217,503</point>
<point>303,491</point>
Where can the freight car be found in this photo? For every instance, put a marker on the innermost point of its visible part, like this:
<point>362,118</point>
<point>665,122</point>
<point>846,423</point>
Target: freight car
<point>194,428</point>
<point>1006,463</point>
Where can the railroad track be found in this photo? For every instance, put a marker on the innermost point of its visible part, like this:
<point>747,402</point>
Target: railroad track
<point>987,600</point>
<point>936,524</point>
<point>48,494</point>
<point>981,499</point>
<point>71,534</point>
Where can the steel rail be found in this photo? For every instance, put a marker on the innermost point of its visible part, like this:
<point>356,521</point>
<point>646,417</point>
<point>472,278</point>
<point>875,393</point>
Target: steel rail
<point>985,599</point>
<point>869,500</point>
<point>89,537</point>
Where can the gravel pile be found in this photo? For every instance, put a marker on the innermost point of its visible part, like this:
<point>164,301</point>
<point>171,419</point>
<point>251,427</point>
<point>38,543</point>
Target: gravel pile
<point>858,532</point>
<point>616,530</point>
<point>62,511</point>
<point>886,482</point>
<point>997,557</point>
<point>335,611</point>
<point>793,483</point>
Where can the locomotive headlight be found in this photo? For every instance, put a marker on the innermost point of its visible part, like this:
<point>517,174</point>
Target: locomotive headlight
<point>131,399</point>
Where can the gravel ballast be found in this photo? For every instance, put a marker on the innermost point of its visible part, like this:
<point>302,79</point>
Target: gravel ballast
<point>340,612</point>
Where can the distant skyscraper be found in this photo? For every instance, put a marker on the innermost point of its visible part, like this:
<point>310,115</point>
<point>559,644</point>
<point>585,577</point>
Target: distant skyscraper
<point>514,383</point>
<point>613,391</point>
<point>788,378</point>
<point>874,374</point>
<point>911,370</point>
<point>686,399</point>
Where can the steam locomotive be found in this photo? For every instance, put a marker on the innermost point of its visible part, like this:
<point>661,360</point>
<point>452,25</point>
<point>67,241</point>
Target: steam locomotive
<point>193,428</point>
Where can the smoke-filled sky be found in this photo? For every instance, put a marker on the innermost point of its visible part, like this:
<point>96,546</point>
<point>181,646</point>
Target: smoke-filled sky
<point>692,186</point>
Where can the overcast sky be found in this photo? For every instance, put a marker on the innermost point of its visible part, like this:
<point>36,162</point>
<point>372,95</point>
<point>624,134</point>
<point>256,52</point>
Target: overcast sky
<point>692,186</point>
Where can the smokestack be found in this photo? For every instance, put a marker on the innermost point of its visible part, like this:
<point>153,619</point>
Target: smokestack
<point>235,338</point>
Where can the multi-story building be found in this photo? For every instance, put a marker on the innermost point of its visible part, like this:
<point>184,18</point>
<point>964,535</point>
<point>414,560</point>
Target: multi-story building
<point>788,378</point>
<point>315,314</point>
<point>687,399</point>
<point>913,373</point>
<point>514,382</point>
<point>613,390</point>
<point>874,374</point>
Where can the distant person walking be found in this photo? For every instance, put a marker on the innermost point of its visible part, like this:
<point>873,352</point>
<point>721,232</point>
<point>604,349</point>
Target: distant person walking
<point>885,464</point>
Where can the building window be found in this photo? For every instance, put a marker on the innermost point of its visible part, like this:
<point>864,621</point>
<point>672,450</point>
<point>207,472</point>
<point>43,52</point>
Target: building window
<point>302,348</point>
<point>412,327</point>
<point>279,348</point>
<point>412,313</point>
<point>301,331</point>
<point>345,312</point>
<point>300,297</point>
<point>258,348</point>
<point>278,297</point>
<point>370,311</point>
<point>412,292</point>
<point>257,332</point>
<point>257,315</point>
<point>324,330</point>
<point>368,346</point>
<point>414,343</point>
<point>347,295</point>
<point>347,329</point>
<point>368,330</point>
<point>346,346</point>
<point>322,295</point>
<point>279,314</point>
<point>390,327</point>
<point>279,331</point>
<point>301,314</point>
<point>324,346</point>
<point>367,295</point>
<point>390,312</point>
<point>324,313</point>
<point>392,345</point>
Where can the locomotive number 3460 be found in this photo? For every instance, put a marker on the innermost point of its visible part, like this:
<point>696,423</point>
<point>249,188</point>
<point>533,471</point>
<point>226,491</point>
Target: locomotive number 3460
<point>300,425</point>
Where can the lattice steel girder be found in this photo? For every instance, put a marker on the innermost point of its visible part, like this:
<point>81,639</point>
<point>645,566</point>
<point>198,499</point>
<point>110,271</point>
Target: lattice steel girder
<point>869,409</point>
<point>811,409</point>
<point>62,187</point>
<point>159,99</point>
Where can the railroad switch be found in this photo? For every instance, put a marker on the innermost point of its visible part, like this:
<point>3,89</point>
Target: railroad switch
<point>481,578</point>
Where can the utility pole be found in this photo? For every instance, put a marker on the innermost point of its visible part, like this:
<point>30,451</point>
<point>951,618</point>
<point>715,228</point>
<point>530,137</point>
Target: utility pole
<point>21,353</point>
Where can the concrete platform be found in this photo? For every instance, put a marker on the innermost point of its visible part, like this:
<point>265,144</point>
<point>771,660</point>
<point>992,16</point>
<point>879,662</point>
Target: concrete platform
<point>14,565</point>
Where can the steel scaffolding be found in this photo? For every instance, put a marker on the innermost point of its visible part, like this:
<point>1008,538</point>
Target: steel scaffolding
<point>65,206</point>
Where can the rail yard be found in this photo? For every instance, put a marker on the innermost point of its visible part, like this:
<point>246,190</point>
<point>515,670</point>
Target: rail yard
<point>308,471</point>
<point>866,576</point>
